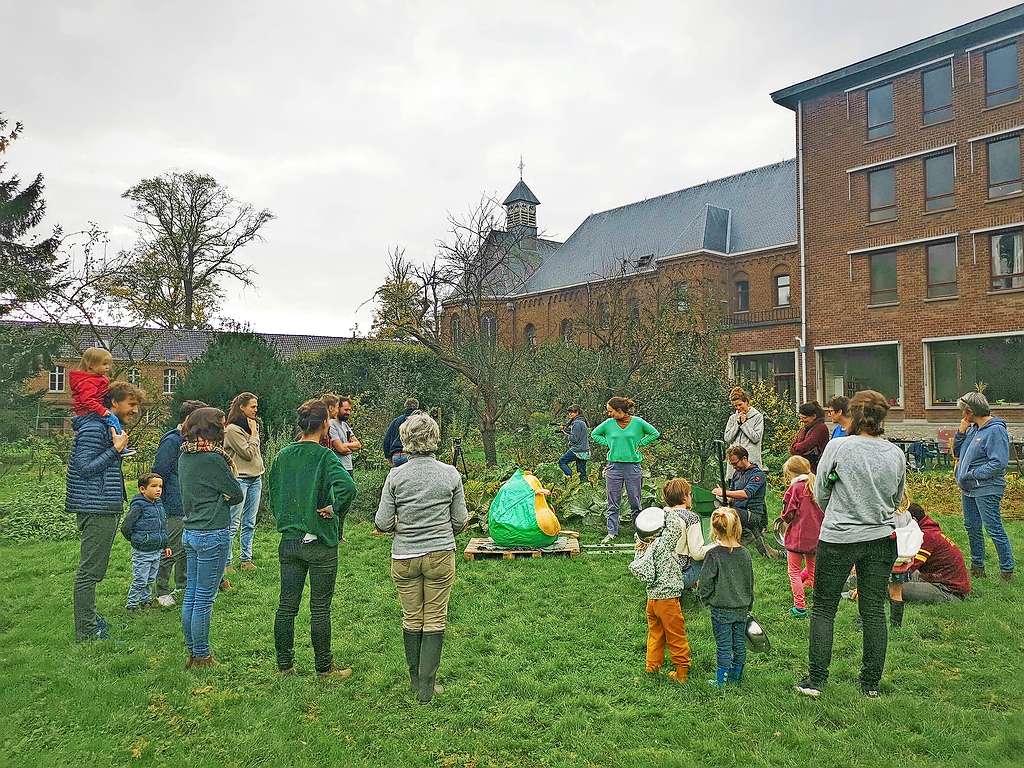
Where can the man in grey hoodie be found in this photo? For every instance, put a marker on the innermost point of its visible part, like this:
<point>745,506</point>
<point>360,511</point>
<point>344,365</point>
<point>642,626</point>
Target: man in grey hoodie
<point>579,443</point>
<point>982,448</point>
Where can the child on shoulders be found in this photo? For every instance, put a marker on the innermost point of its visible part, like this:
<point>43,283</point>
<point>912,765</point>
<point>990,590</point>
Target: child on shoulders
<point>656,565</point>
<point>90,389</point>
<point>803,517</point>
<point>146,528</point>
<point>727,585</point>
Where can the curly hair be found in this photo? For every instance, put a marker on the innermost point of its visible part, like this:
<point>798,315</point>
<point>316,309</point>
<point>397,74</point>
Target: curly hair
<point>420,434</point>
<point>868,409</point>
<point>206,423</point>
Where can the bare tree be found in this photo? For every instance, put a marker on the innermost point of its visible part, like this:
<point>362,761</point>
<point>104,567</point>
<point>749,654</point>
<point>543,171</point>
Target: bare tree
<point>190,230</point>
<point>457,306</point>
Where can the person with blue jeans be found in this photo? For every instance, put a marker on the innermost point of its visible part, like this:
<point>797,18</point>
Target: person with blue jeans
<point>579,444</point>
<point>206,475</point>
<point>146,528</point>
<point>623,435</point>
<point>242,444</point>
<point>982,448</point>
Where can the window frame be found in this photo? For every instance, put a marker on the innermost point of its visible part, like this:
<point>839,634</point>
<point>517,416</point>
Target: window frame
<point>60,373</point>
<point>745,293</point>
<point>948,198</point>
<point>1010,276</point>
<point>1017,183</point>
<point>530,336</point>
<point>873,294</point>
<point>170,380</point>
<point>789,289</point>
<point>929,285</point>
<point>989,95</point>
<point>819,362</point>
<point>928,344</point>
<point>889,125</point>
<point>455,330</point>
<point>681,295</point>
<point>489,328</point>
<point>565,331</point>
<point>133,375</point>
<point>893,207</point>
<point>925,112</point>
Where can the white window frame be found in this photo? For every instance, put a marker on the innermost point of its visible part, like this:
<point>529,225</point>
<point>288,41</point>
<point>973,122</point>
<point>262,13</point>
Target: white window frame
<point>133,375</point>
<point>796,365</point>
<point>925,344</point>
<point>819,368</point>
<point>171,380</point>
<point>59,372</point>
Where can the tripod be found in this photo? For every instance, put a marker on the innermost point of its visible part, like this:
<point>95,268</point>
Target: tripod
<point>458,455</point>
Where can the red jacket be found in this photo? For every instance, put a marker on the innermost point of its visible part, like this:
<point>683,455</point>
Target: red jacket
<point>803,518</point>
<point>939,560</point>
<point>810,442</point>
<point>87,392</point>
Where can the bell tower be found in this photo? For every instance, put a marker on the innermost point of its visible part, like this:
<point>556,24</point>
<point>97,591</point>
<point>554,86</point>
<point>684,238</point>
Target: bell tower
<point>521,206</point>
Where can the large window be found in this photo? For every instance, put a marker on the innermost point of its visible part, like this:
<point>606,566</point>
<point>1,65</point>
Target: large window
<point>938,182</point>
<point>782,290</point>
<point>1002,77</point>
<point>995,365</point>
<point>1004,167</point>
<point>530,336</point>
<point>776,368</point>
<point>170,380</point>
<point>881,120</point>
<point>742,295</point>
<point>942,270</point>
<point>882,194</point>
<point>489,328</point>
<point>1008,260</point>
<point>58,377</point>
<point>883,278</point>
<point>849,370</point>
<point>937,94</point>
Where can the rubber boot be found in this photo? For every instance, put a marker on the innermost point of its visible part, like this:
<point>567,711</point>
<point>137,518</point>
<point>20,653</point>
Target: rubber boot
<point>736,673</point>
<point>895,613</point>
<point>721,675</point>
<point>430,659</point>
<point>412,656</point>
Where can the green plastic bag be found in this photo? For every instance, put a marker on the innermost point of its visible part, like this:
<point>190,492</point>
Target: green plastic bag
<point>511,519</point>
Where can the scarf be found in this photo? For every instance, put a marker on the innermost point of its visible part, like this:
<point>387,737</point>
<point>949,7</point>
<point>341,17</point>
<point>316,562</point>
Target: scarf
<point>199,445</point>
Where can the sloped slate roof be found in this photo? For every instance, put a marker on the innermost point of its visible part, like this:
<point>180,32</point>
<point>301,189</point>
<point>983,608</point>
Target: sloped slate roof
<point>521,193</point>
<point>185,345</point>
<point>756,208</point>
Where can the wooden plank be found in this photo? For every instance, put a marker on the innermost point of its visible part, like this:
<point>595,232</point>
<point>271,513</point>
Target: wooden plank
<point>483,548</point>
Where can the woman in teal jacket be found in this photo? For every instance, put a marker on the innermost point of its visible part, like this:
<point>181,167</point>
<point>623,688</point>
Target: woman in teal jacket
<point>623,435</point>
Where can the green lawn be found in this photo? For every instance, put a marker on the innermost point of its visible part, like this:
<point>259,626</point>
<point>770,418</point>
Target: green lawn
<point>543,666</point>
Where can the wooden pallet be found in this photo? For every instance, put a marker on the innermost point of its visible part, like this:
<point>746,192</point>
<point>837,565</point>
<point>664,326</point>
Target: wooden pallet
<point>484,548</point>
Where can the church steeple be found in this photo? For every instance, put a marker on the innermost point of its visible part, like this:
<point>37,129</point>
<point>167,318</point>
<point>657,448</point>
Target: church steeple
<point>521,205</point>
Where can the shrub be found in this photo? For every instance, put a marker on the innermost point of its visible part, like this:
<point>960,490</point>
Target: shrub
<point>33,510</point>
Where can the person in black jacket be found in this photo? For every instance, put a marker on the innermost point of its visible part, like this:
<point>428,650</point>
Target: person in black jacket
<point>146,528</point>
<point>96,497</point>
<point>392,442</point>
<point>166,465</point>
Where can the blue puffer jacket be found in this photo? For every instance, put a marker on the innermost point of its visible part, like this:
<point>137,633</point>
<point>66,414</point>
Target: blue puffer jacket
<point>166,465</point>
<point>95,480</point>
<point>146,525</point>
<point>982,458</point>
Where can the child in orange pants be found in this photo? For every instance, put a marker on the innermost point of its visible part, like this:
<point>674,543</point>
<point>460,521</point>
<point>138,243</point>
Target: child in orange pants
<point>656,565</point>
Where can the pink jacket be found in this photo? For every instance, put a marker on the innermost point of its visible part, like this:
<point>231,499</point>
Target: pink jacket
<point>803,517</point>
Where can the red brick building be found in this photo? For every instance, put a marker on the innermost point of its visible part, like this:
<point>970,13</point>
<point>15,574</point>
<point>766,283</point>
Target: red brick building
<point>902,215</point>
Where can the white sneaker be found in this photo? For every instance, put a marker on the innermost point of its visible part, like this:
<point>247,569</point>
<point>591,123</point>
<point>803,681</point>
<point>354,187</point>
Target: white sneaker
<point>609,539</point>
<point>166,600</point>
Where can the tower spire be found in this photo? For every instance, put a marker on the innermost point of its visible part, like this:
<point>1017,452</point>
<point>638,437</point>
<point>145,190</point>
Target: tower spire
<point>521,166</point>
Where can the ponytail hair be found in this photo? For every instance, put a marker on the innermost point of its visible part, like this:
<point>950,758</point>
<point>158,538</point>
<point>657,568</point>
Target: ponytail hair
<point>312,415</point>
<point>622,404</point>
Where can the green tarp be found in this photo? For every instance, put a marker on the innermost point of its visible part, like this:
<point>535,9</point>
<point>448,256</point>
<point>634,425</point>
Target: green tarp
<point>512,519</point>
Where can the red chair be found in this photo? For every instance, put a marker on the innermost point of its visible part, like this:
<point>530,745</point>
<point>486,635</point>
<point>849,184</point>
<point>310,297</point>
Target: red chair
<point>945,440</point>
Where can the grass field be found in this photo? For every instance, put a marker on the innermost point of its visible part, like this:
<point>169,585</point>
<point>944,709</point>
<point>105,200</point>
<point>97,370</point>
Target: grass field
<point>543,666</point>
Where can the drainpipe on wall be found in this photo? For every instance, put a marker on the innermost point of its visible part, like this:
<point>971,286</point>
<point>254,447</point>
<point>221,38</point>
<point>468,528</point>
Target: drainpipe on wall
<point>803,252</point>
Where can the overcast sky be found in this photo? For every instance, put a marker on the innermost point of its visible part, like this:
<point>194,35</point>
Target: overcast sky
<point>361,125</point>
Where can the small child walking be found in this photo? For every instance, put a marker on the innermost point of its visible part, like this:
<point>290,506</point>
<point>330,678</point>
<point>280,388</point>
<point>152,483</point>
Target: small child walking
<point>727,585</point>
<point>656,565</point>
<point>90,386</point>
<point>803,517</point>
<point>146,528</point>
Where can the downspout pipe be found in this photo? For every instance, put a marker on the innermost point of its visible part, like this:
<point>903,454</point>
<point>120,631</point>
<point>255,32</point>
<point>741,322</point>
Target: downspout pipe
<point>803,249</point>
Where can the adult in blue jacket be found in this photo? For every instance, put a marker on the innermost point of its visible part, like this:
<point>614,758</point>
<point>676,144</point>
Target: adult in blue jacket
<point>96,496</point>
<point>166,465</point>
<point>982,448</point>
<point>392,440</point>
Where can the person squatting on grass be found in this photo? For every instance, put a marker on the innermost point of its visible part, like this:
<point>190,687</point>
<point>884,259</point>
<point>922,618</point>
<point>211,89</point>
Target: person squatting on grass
<point>802,516</point>
<point>655,564</point>
<point>242,444</point>
<point>691,547</point>
<point>145,527</point>
<point>982,447</point>
<point>623,435</point>
<point>166,465</point>
<point>424,505</point>
<point>96,496</point>
<point>310,495</point>
<point>208,491</point>
<point>859,484</point>
<point>90,389</point>
<point>937,574</point>
<point>746,491</point>
<point>727,585</point>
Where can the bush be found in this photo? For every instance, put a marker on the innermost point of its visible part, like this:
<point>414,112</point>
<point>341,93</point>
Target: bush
<point>33,510</point>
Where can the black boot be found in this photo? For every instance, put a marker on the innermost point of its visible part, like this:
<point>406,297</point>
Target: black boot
<point>895,613</point>
<point>430,659</point>
<point>412,656</point>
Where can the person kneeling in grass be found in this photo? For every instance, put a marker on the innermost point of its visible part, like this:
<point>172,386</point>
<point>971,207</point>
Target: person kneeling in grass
<point>656,565</point>
<point>310,495</point>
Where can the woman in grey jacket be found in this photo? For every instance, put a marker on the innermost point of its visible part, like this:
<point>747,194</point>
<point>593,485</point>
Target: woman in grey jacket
<point>424,506</point>
<point>578,433</point>
<point>745,427</point>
